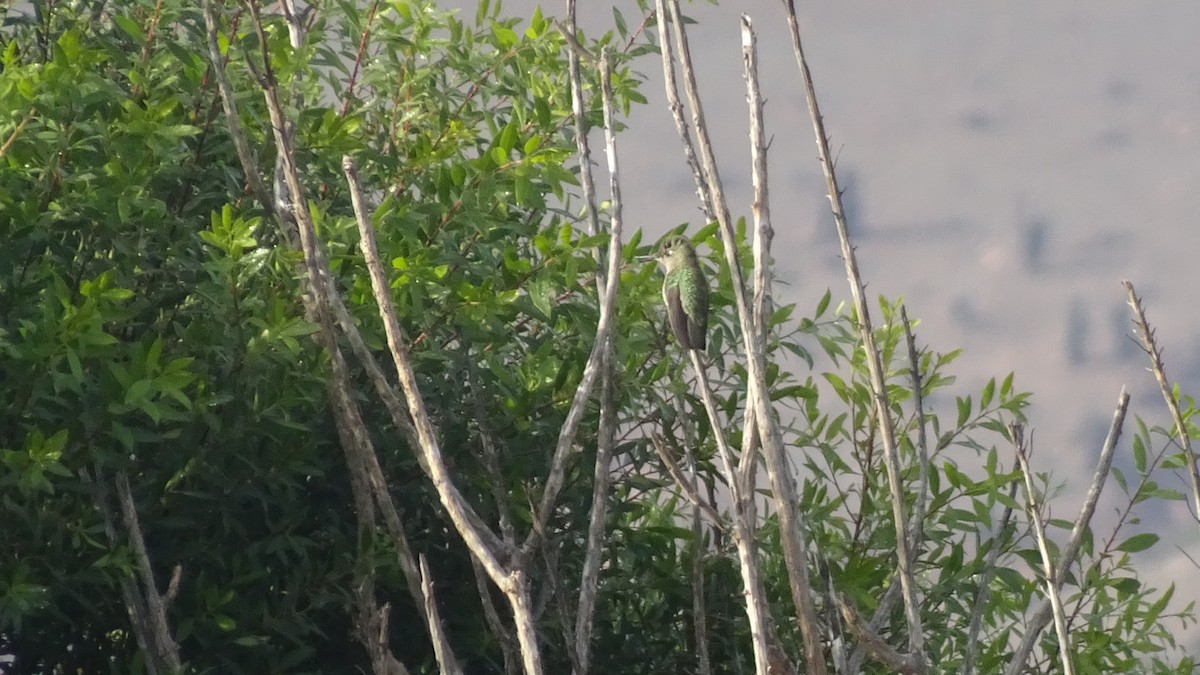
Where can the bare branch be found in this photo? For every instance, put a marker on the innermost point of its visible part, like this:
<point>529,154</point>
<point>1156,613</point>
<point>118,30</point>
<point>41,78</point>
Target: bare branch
<point>604,326</point>
<point>322,304</point>
<point>699,606</point>
<point>249,160</point>
<point>173,585</point>
<point>916,527</point>
<point>763,232</point>
<point>1039,532</point>
<point>441,645</point>
<point>17,132</point>
<point>713,199</point>
<point>578,110</point>
<point>503,635</point>
<point>164,649</point>
<point>597,536</point>
<point>985,582</point>
<point>757,608</point>
<point>134,605</point>
<point>1041,618</point>
<point>875,645</point>
<point>687,486</point>
<point>904,553</point>
<point>1146,338</point>
<point>491,451</point>
<point>479,539</point>
<point>676,108</point>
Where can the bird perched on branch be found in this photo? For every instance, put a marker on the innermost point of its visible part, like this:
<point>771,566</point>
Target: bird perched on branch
<point>685,292</point>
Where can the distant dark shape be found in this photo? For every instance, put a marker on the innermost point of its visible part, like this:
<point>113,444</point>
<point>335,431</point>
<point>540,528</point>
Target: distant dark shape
<point>1078,331</point>
<point>1120,89</point>
<point>1037,231</point>
<point>962,310</point>
<point>978,121</point>
<point>1113,138</point>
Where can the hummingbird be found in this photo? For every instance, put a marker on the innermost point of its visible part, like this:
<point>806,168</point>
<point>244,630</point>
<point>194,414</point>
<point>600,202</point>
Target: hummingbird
<point>685,292</point>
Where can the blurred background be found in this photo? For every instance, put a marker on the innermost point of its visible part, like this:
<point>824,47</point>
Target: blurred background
<point>1006,165</point>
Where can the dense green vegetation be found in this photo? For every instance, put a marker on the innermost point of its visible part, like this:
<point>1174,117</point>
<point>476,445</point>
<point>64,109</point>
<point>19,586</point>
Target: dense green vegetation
<point>155,343</point>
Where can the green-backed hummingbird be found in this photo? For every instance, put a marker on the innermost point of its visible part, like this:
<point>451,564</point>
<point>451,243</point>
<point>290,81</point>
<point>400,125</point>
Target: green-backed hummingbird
<point>685,292</point>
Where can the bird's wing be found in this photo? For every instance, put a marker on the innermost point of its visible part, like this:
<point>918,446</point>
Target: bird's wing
<point>676,315</point>
<point>698,319</point>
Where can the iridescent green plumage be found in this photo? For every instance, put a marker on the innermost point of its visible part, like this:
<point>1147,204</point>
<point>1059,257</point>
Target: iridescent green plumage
<point>685,292</point>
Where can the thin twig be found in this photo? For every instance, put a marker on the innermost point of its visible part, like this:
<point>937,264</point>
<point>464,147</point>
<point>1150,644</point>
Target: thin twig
<point>875,645</point>
<point>135,606</point>
<point>479,539</point>
<point>699,606</point>
<point>356,438</point>
<point>904,554</point>
<point>1041,618</point>
<point>691,486</point>
<point>1150,346</point>
<point>671,87</point>
<point>985,582</point>
<point>490,444</point>
<point>761,207</point>
<point>501,632</point>
<point>763,234</point>
<point>17,132</point>
<point>916,527</point>
<point>597,536</point>
<point>358,57</point>
<point>687,486</point>
<point>1039,533</point>
<point>564,448</point>
<point>365,472</point>
<point>447,664</point>
<point>757,608</point>
<point>579,116</point>
<point>233,120</point>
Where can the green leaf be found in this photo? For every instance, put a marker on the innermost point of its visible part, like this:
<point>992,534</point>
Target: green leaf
<point>964,409</point>
<point>823,304</point>
<point>130,27</point>
<point>619,22</point>
<point>1139,454</point>
<point>507,140</point>
<point>989,390</point>
<point>1138,542</point>
<point>506,38</point>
